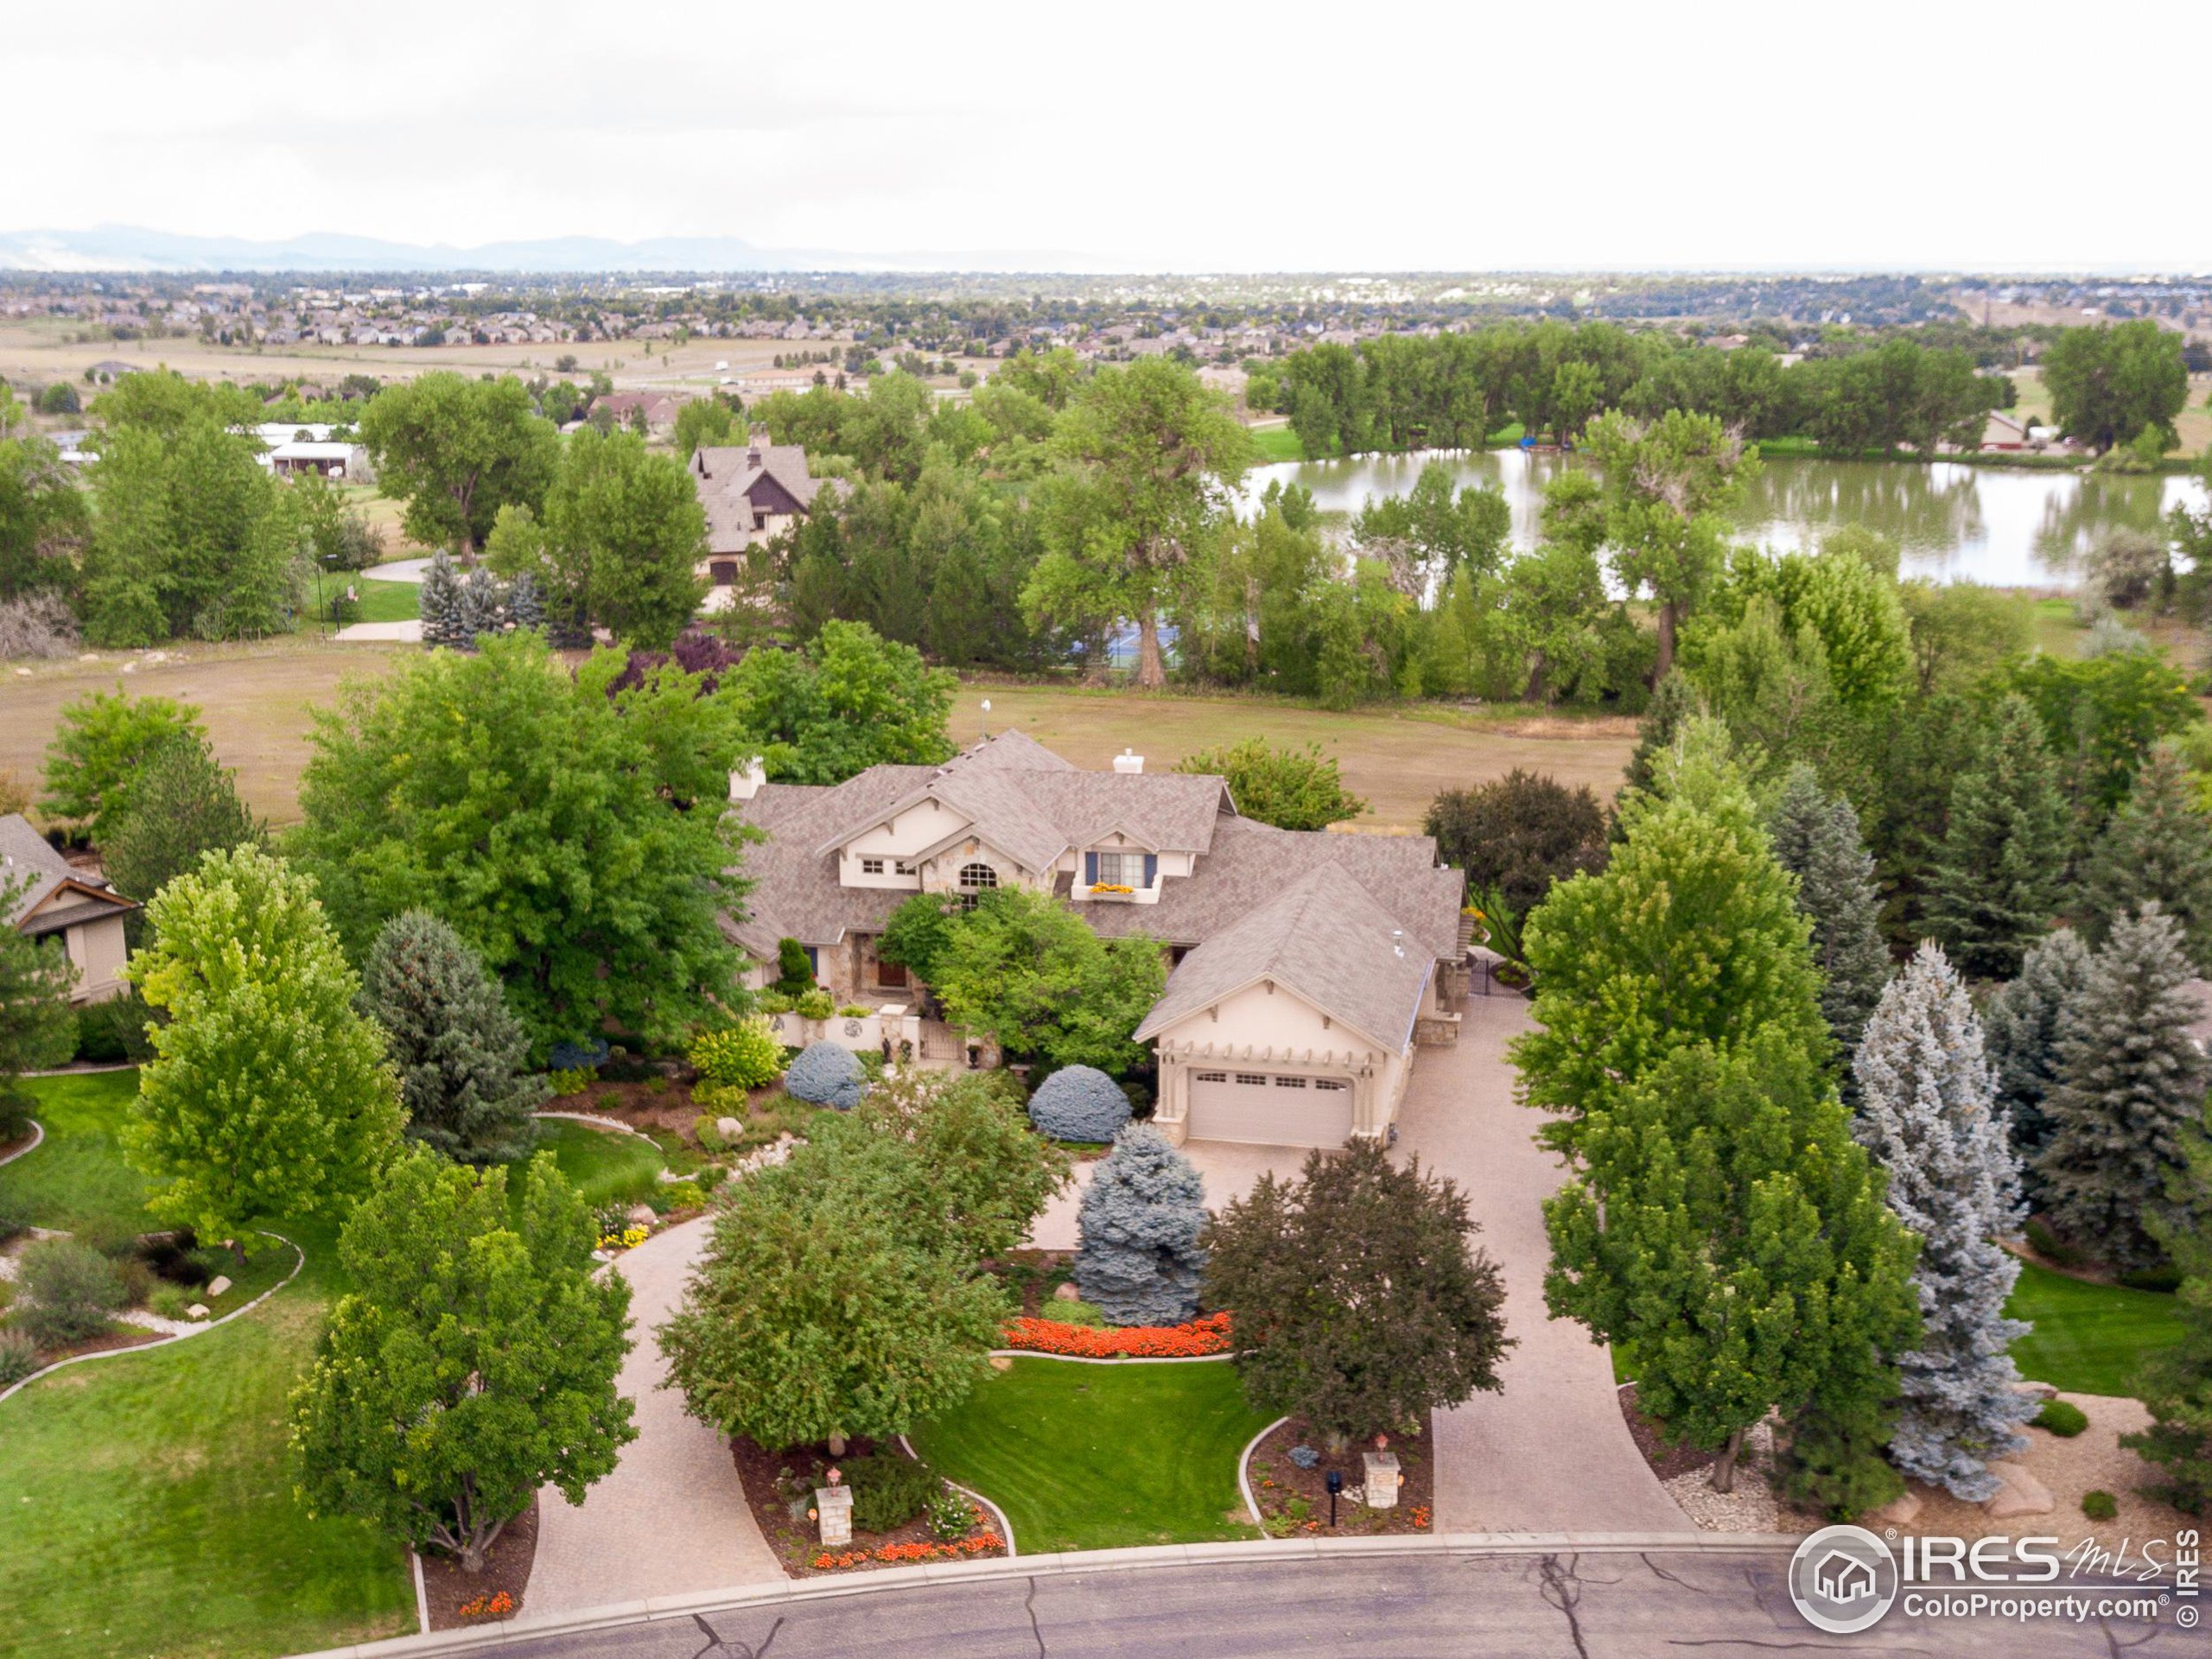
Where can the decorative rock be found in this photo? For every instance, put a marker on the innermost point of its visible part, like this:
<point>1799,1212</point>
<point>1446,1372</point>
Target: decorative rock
<point>833,1509</point>
<point>2021,1494</point>
<point>197,1311</point>
<point>1067,1292</point>
<point>1001,1362</point>
<point>641,1215</point>
<point>1381,1489</point>
<point>2035,1390</point>
<point>1900,1511</point>
<point>728,1128</point>
<point>218,1284</point>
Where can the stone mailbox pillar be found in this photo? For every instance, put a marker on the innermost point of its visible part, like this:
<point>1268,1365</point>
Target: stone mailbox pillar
<point>833,1508</point>
<point>1382,1480</point>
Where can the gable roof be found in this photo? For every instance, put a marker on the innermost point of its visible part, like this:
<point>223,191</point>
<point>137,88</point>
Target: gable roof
<point>1326,941</point>
<point>728,478</point>
<point>57,894</point>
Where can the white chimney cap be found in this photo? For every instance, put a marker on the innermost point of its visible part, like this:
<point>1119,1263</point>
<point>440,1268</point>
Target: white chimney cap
<point>1128,760</point>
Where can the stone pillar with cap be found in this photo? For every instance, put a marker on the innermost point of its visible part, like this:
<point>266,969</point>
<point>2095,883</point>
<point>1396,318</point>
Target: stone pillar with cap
<point>1381,1489</point>
<point>833,1511</point>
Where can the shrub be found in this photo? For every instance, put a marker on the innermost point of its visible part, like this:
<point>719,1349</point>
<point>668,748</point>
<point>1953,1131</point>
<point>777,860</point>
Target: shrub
<point>2048,1245</point>
<point>114,1032</point>
<point>828,1076</point>
<point>2058,1418</point>
<point>2165,1278</point>
<point>744,1056</point>
<point>71,1289</point>
<point>950,1515</point>
<point>1519,834</point>
<point>794,973</point>
<point>168,1301</point>
<point>2100,1505</point>
<point>1079,1102</point>
<point>579,1056</point>
<point>854,1011</point>
<point>704,1132</point>
<point>37,625</point>
<point>888,1490</point>
<point>709,1177</point>
<point>770,1003</point>
<point>565,1081</point>
<point>18,1358</point>
<point>1305,1456</point>
<point>814,1004</point>
<point>684,1195</point>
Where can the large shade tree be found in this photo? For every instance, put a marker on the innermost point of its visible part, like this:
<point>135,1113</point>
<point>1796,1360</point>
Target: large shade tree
<point>457,449</point>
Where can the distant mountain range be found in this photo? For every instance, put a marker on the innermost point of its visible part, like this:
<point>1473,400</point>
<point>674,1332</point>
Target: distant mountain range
<point>130,248</point>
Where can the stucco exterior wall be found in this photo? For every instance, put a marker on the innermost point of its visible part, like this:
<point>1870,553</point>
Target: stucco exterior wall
<point>98,951</point>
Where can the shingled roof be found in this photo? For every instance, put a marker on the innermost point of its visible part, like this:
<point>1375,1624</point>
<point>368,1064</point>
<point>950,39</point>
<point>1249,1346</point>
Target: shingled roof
<point>26,857</point>
<point>733,481</point>
<point>1326,940</point>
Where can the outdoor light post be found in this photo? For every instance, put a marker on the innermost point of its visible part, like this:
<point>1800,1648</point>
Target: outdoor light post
<point>1336,1483</point>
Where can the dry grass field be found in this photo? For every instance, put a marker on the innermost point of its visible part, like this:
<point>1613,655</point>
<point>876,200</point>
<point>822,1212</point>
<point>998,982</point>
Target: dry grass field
<point>256,700</point>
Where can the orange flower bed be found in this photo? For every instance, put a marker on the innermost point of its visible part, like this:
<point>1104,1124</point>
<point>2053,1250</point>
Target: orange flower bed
<point>1193,1341</point>
<point>982,1544</point>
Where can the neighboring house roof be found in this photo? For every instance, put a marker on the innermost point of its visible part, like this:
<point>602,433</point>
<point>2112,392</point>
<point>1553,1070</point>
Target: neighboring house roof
<point>734,482</point>
<point>56,896</point>
<point>1326,940</point>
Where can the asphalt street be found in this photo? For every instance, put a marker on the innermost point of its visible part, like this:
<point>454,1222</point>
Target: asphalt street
<point>1538,1606</point>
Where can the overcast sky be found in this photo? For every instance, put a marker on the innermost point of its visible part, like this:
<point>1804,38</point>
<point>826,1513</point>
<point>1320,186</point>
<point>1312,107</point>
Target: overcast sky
<point>1185,137</point>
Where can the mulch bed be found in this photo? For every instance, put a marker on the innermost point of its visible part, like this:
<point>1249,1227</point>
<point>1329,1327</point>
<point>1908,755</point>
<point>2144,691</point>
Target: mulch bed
<point>124,1335</point>
<point>639,1104</point>
<point>507,1572</point>
<point>1667,1461</point>
<point>1033,1275</point>
<point>1295,1501</point>
<point>792,1536</point>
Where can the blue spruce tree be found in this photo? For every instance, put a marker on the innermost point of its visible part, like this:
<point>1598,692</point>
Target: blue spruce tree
<point>1140,1217</point>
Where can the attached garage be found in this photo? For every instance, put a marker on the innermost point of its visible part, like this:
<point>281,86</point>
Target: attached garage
<point>1274,1108</point>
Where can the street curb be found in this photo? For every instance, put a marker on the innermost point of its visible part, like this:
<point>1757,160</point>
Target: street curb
<point>181,1336</point>
<point>37,1140</point>
<point>1256,1553</point>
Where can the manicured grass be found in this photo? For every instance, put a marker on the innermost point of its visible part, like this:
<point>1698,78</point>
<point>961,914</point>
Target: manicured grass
<point>148,1498</point>
<point>2089,1339</point>
<point>381,601</point>
<point>1273,443</point>
<point>1097,1457</point>
<point>77,1177</point>
<point>603,1165</point>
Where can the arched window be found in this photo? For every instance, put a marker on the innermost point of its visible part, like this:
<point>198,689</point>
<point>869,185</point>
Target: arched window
<point>976,879</point>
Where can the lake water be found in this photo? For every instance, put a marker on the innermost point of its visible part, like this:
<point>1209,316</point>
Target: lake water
<point>1980,523</point>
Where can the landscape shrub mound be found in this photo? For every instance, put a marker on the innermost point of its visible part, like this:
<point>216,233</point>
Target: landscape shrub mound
<point>888,1490</point>
<point>1140,1220</point>
<point>71,1289</point>
<point>744,1056</point>
<point>2058,1418</point>
<point>828,1076</point>
<point>1079,1102</point>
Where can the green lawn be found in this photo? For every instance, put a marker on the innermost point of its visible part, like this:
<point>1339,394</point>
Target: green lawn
<point>605,1165</point>
<point>2087,1338</point>
<point>148,1498</point>
<point>381,601</point>
<point>1272,443</point>
<point>1097,1457</point>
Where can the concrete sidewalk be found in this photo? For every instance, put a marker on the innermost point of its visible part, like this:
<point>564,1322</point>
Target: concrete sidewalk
<point>671,1519</point>
<point>1551,1454</point>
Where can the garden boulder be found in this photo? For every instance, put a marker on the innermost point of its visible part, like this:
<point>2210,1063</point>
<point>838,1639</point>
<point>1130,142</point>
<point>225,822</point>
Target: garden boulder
<point>1079,1102</point>
<point>827,1075</point>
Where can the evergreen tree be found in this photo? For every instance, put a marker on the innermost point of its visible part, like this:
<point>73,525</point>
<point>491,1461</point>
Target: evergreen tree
<point>1928,1112</point>
<point>1817,840</point>
<point>182,803</point>
<point>527,602</point>
<point>1673,704</point>
<point>483,604</point>
<point>2130,1089</point>
<point>1996,881</point>
<point>460,1053</point>
<point>2022,1027</point>
<point>1140,1217</point>
<point>2177,1381</point>
<point>441,605</point>
<point>2157,845</point>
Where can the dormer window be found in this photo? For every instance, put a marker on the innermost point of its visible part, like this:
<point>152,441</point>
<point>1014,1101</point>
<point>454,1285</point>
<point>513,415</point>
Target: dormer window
<point>1120,870</point>
<point>871,867</point>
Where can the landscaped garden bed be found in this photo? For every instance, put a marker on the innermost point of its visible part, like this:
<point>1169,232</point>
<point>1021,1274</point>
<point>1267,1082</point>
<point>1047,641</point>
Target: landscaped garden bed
<point>458,1599</point>
<point>780,1486</point>
<point>1198,1339</point>
<point>1293,1494</point>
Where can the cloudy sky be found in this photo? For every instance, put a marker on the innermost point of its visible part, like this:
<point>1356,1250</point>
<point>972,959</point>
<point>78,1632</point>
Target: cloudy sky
<point>1186,136</point>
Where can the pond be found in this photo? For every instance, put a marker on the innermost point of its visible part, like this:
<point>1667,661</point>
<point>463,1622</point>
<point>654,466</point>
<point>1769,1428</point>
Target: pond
<point>2005,527</point>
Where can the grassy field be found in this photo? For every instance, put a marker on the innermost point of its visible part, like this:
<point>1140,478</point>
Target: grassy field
<point>2089,1339</point>
<point>381,601</point>
<point>257,698</point>
<point>1097,1457</point>
<point>1273,443</point>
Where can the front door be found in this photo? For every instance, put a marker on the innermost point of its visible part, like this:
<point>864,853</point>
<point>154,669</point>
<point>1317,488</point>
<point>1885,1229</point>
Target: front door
<point>892,975</point>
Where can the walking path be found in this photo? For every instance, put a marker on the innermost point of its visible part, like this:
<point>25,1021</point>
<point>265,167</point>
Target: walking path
<point>1551,1452</point>
<point>671,1519</point>
<point>398,570</point>
<point>408,632</point>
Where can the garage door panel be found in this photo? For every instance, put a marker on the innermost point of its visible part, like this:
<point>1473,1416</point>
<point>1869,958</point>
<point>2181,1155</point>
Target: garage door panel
<point>1274,1109</point>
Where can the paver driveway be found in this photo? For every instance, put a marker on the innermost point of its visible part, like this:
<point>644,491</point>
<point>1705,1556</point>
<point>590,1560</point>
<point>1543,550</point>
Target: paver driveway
<point>671,1518</point>
<point>1550,1453</point>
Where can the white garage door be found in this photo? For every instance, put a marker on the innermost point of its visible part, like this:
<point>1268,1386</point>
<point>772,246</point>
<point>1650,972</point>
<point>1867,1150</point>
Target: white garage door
<point>1273,1108</point>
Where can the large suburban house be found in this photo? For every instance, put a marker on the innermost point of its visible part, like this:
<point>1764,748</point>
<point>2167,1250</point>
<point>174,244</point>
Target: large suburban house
<point>1307,967</point>
<point>50,896</point>
<point>751,492</point>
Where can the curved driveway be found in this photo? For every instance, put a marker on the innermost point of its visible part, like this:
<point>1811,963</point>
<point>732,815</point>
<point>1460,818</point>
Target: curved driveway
<point>671,1519</point>
<point>1550,1453</point>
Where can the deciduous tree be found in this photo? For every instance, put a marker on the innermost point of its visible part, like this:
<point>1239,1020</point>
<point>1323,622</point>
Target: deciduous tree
<point>1289,788</point>
<point>101,744</point>
<point>182,802</point>
<point>1030,974</point>
<point>473,1364</point>
<point>458,449</point>
<point>1519,834</point>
